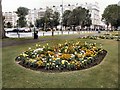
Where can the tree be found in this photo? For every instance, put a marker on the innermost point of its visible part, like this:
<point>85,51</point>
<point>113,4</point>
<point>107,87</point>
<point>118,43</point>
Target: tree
<point>79,16</point>
<point>21,13</point>
<point>31,25</point>
<point>55,19</point>
<point>39,23</point>
<point>66,15</point>
<point>87,21</point>
<point>2,31</point>
<point>111,15</point>
<point>49,20</point>
<point>8,25</point>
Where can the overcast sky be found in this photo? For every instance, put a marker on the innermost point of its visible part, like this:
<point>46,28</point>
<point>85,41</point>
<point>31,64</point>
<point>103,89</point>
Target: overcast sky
<point>12,5</point>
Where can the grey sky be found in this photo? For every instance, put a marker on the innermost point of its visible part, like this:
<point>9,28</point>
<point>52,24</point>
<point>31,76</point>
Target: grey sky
<point>12,5</point>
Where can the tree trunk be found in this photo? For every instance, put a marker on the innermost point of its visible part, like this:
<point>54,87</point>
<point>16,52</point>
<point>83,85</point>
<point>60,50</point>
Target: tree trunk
<point>2,32</point>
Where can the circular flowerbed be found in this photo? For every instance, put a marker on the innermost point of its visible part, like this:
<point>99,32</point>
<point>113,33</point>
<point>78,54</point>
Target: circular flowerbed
<point>62,57</point>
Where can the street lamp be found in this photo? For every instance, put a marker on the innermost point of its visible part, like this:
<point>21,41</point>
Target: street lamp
<point>62,17</point>
<point>45,23</point>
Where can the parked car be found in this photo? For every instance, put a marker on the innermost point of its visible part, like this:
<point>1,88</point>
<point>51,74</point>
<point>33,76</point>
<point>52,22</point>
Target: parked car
<point>16,30</point>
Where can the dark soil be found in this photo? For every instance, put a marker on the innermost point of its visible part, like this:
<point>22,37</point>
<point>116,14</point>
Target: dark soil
<point>97,61</point>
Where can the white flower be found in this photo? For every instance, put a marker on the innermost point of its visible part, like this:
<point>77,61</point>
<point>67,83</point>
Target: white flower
<point>41,49</point>
<point>52,56</point>
<point>57,58</point>
<point>49,55</point>
<point>94,43</point>
<point>82,51</point>
<point>29,48</point>
<point>50,60</point>
<point>72,55</point>
<point>60,45</point>
<point>59,53</point>
<point>59,50</point>
<point>75,52</point>
<point>82,61</point>
<point>53,63</point>
<point>36,45</point>
<point>47,63</point>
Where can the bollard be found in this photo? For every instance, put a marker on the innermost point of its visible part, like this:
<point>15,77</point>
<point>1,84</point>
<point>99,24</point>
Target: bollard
<point>58,33</point>
<point>52,33</point>
<point>43,33</point>
<point>68,32</point>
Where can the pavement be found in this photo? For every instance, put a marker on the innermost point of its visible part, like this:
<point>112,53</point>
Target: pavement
<point>12,42</point>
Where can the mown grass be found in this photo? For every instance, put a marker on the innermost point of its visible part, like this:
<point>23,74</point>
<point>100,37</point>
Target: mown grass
<point>104,75</point>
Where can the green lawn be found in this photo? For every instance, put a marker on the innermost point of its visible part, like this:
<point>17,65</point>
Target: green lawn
<point>104,75</point>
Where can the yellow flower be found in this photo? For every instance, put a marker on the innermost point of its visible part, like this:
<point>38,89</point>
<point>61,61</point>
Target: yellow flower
<point>29,48</point>
<point>79,55</point>
<point>54,58</point>
<point>32,60</point>
<point>43,46</point>
<point>51,53</point>
<point>73,62</point>
<point>60,45</point>
<point>37,45</point>
<point>63,61</point>
<point>25,55</point>
<point>65,56</point>
<point>65,50</point>
<point>39,63</point>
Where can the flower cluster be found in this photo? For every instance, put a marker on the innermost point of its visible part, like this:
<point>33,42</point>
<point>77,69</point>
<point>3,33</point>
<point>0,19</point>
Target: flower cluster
<point>69,56</point>
<point>106,36</point>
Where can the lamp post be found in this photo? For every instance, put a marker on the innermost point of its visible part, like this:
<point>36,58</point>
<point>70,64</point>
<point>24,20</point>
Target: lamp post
<point>35,33</point>
<point>45,24</point>
<point>62,17</point>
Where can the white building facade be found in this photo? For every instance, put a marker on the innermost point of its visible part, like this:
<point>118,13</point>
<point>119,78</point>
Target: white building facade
<point>34,14</point>
<point>92,7</point>
<point>10,17</point>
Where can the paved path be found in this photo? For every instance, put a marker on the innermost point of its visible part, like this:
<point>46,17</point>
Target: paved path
<point>13,42</point>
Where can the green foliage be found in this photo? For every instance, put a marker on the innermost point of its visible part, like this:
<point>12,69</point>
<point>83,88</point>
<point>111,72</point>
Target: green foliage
<point>22,12</point>
<point>79,16</point>
<point>40,22</point>
<point>66,15</point>
<point>31,25</point>
<point>55,21</point>
<point>112,15</point>
<point>50,19</point>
